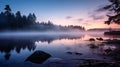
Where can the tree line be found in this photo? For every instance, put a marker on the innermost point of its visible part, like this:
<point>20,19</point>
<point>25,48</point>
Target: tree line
<point>16,21</point>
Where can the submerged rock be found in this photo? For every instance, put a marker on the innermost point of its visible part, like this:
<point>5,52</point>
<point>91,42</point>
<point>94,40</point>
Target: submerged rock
<point>69,52</point>
<point>78,53</point>
<point>56,60</point>
<point>38,57</point>
<point>93,46</point>
<point>108,50</point>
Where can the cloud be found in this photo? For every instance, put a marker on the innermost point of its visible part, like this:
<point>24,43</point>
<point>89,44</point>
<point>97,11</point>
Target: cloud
<point>68,17</point>
<point>97,17</point>
<point>80,19</point>
<point>87,21</point>
<point>100,13</point>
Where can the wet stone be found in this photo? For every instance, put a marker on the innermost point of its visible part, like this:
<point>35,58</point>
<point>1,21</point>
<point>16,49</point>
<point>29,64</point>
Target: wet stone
<point>38,57</point>
<point>91,39</point>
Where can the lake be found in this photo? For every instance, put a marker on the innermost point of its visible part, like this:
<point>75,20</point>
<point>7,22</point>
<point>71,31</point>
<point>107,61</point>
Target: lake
<point>66,50</point>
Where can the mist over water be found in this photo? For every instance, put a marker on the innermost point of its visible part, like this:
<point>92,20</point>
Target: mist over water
<point>48,33</point>
<point>59,33</point>
<point>15,47</point>
<point>51,33</point>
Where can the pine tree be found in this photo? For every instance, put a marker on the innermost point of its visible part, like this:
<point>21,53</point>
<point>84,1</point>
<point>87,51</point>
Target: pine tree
<point>7,10</point>
<point>114,7</point>
<point>18,19</point>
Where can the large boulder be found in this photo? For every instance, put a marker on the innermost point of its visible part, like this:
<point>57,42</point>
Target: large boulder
<point>38,57</point>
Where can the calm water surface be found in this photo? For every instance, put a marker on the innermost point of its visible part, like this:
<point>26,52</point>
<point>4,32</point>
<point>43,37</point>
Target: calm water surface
<point>14,49</point>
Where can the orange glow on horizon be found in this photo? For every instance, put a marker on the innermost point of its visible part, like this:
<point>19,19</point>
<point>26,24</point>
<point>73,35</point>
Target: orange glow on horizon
<point>87,22</point>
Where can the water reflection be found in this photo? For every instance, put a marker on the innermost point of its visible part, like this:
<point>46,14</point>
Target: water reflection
<point>18,43</point>
<point>102,48</point>
<point>8,45</point>
<point>16,49</point>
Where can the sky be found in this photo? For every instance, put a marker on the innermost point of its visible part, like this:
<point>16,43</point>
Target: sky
<point>63,12</point>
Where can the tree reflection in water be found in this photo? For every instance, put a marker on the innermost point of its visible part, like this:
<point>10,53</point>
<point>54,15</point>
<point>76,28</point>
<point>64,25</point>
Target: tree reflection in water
<point>9,44</point>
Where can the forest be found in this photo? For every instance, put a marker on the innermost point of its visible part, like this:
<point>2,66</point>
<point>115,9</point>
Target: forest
<point>10,21</point>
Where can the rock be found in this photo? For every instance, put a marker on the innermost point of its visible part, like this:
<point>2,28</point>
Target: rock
<point>78,53</point>
<point>91,39</point>
<point>108,50</point>
<point>100,39</point>
<point>38,57</point>
<point>69,52</point>
<point>93,46</point>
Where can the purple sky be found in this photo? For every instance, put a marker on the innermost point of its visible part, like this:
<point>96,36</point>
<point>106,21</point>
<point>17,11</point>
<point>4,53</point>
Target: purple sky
<point>62,12</point>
